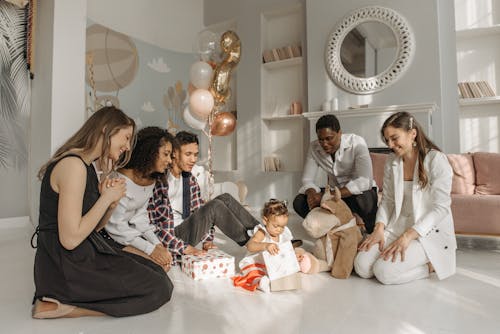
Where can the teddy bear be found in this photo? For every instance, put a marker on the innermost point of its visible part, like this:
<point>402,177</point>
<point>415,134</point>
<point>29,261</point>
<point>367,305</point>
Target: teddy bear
<point>334,225</point>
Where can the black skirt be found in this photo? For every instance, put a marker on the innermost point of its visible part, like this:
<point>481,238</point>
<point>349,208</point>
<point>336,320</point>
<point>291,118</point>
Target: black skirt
<point>99,277</point>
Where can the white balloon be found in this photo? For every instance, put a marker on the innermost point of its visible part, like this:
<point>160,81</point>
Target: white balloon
<point>201,103</point>
<point>192,121</point>
<point>201,74</point>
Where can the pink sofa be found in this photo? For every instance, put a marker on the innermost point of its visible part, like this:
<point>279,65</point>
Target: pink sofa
<point>475,193</point>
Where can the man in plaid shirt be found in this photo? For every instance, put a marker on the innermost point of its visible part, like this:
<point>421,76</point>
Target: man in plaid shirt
<point>181,217</point>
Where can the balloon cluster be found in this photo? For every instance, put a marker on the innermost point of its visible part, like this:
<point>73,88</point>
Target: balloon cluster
<point>209,84</point>
<point>209,89</point>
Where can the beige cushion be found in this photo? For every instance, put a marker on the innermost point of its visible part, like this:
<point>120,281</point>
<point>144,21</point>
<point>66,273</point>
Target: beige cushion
<point>319,221</point>
<point>464,179</point>
<point>487,173</point>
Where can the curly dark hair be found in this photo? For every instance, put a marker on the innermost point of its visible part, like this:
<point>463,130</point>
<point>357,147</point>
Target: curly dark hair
<point>145,153</point>
<point>274,207</point>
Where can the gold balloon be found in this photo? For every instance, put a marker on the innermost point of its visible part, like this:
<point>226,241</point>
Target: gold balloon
<point>231,47</point>
<point>223,124</point>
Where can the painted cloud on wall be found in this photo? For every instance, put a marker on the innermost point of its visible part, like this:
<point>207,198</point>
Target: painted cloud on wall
<point>159,65</point>
<point>148,107</point>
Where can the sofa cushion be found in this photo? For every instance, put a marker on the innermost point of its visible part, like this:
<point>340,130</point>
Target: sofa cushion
<point>487,175</point>
<point>464,178</point>
<point>378,163</point>
<point>477,214</point>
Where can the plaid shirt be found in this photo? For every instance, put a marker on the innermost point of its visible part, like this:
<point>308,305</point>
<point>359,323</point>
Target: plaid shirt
<point>161,215</point>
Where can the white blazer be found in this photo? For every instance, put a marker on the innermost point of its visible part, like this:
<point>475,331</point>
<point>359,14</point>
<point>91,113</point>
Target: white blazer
<point>431,208</point>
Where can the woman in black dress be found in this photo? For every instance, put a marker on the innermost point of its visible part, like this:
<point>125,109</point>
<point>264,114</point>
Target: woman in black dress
<point>77,273</point>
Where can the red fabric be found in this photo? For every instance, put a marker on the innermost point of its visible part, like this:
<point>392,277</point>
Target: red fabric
<point>250,277</point>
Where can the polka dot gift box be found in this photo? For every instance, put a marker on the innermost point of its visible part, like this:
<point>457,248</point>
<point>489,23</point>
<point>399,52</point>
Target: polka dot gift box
<point>214,264</point>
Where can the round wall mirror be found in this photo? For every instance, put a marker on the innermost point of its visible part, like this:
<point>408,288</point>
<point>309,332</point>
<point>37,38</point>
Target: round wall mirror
<point>369,50</point>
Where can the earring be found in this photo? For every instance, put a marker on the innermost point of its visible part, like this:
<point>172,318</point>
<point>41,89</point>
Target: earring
<point>414,144</point>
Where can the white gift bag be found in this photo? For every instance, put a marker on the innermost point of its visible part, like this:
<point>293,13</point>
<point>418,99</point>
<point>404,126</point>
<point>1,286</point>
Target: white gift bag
<point>282,264</point>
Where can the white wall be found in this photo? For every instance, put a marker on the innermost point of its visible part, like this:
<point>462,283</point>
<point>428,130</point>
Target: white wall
<point>247,14</point>
<point>41,103</point>
<point>58,106</point>
<point>429,79</point>
<point>176,24</point>
<point>170,24</point>
<point>13,193</point>
<point>57,103</point>
<point>450,112</point>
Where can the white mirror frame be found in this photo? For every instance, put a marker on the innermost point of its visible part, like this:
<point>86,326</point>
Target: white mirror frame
<point>405,50</point>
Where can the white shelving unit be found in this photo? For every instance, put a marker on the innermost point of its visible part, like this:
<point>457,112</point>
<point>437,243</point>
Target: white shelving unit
<point>477,26</point>
<point>465,34</point>
<point>480,101</point>
<point>297,61</point>
<point>281,84</point>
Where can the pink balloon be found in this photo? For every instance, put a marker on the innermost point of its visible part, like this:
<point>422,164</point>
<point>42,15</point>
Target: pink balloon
<point>201,103</point>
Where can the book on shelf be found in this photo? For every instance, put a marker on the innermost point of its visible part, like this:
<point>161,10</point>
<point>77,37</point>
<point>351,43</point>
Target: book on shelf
<point>476,93</point>
<point>296,50</point>
<point>463,90</point>
<point>267,56</point>
<point>282,53</point>
<point>272,164</point>
<point>275,54</point>
<point>475,89</point>
<point>487,88</point>
<point>468,90</point>
<point>284,50</point>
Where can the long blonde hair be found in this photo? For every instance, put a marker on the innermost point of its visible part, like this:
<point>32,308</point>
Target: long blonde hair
<point>105,122</point>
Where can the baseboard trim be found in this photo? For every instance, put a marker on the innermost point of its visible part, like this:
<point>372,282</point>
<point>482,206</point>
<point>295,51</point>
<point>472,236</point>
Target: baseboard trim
<point>13,222</point>
<point>486,242</point>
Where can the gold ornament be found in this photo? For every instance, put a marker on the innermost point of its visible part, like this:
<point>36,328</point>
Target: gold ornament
<point>231,47</point>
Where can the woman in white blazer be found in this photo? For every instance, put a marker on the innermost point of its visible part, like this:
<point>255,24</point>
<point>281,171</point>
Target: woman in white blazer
<point>414,227</point>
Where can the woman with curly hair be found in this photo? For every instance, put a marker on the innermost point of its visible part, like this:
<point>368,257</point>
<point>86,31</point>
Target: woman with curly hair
<point>129,227</point>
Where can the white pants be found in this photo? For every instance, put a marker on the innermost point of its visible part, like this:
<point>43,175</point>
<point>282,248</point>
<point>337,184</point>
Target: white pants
<point>369,264</point>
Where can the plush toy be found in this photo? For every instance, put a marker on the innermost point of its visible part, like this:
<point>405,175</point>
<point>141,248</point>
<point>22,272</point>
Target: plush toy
<point>338,235</point>
<point>308,263</point>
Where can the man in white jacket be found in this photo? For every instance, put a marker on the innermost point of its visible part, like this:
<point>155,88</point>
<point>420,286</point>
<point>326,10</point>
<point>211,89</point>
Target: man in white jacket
<point>346,160</point>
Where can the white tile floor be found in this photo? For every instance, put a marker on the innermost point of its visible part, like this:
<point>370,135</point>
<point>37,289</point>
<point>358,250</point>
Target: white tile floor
<point>468,302</point>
